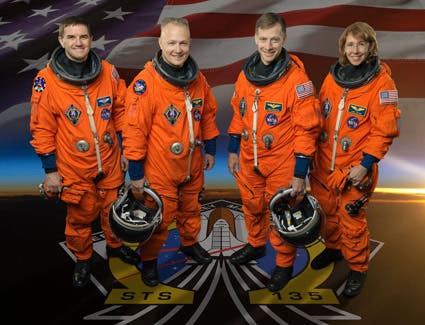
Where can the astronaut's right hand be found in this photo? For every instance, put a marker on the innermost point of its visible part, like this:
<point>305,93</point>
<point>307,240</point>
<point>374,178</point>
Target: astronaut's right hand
<point>44,193</point>
<point>52,185</point>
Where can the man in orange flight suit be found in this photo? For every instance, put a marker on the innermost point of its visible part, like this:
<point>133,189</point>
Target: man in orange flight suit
<point>275,126</point>
<point>77,108</point>
<point>359,105</point>
<point>171,113</point>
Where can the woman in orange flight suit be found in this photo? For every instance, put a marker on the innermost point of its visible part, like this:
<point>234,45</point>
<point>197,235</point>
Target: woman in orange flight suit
<point>359,105</point>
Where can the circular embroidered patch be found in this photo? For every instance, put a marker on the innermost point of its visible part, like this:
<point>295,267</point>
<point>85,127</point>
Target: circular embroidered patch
<point>139,86</point>
<point>105,114</point>
<point>271,119</point>
<point>353,122</point>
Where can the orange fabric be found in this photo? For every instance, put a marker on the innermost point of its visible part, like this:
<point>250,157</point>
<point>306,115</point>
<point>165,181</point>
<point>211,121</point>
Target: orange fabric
<point>373,132</point>
<point>341,231</point>
<point>148,127</point>
<point>78,229</point>
<point>256,192</point>
<point>294,128</point>
<point>376,125</point>
<point>337,180</point>
<point>54,130</point>
<point>149,135</point>
<point>186,213</point>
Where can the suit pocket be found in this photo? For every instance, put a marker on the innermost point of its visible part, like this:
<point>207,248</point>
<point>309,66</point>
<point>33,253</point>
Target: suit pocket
<point>71,195</point>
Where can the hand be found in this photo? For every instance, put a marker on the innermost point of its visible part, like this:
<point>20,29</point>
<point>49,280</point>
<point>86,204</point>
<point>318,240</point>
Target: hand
<point>137,188</point>
<point>124,164</point>
<point>233,162</point>
<point>52,183</point>
<point>357,173</point>
<point>209,161</point>
<point>298,186</point>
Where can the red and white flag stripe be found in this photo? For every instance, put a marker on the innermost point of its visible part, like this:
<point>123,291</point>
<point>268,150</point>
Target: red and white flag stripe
<point>222,36</point>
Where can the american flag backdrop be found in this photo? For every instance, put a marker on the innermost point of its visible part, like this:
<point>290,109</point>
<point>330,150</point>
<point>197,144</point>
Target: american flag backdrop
<point>125,33</point>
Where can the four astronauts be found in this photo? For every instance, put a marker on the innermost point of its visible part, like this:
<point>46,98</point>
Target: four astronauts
<point>89,130</point>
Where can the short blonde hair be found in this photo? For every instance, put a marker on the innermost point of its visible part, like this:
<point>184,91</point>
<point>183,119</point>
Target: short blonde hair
<point>270,19</point>
<point>175,21</point>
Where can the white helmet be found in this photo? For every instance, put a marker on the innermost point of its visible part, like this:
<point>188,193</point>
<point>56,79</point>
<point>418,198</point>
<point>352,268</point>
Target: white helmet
<point>297,221</point>
<point>133,221</point>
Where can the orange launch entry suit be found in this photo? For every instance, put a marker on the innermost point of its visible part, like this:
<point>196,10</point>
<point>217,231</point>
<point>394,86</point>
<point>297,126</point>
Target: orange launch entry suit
<point>367,126</point>
<point>287,113</point>
<point>158,134</point>
<point>60,127</point>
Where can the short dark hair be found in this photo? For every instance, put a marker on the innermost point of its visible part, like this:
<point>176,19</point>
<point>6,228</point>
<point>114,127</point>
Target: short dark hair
<point>73,20</point>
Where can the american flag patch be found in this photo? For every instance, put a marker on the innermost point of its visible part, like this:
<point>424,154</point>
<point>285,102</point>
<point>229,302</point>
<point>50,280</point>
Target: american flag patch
<point>304,90</point>
<point>388,97</point>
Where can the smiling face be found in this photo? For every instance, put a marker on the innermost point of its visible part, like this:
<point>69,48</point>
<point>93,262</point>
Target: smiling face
<point>175,44</point>
<point>357,44</point>
<point>269,42</point>
<point>76,40</point>
<point>356,49</point>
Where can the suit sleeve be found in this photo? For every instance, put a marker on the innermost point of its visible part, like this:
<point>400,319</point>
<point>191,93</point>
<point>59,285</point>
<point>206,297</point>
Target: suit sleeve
<point>119,100</point>
<point>236,125</point>
<point>305,116</point>
<point>138,116</point>
<point>43,124</point>
<point>384,116</point>
<point>209,125</point>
